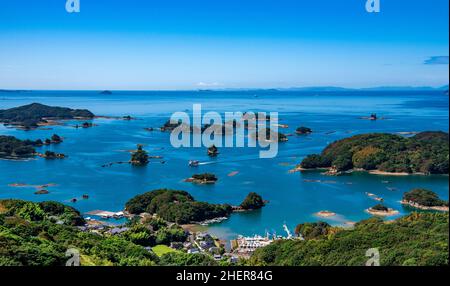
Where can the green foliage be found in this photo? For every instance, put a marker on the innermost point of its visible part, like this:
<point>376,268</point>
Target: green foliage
<point>424,197</point>
<point>314,230</point>
<point>253,201</point>
<point>303,130</point>
<point>161,249</point>
<point>205,177</point>
<point>170,126</point>
<point>175,206</point>
<point>270,135</point>
<point>29,237</point>
<point>141,235</point>
<point>32,114</point>
<point>380,208</point>
<point>417,239</point>
<point>171,234</point>
<point>139,157</point>
<point>42,211</point>
<point>315,161</point>
<point>426,152</point>
<point>11,146</point>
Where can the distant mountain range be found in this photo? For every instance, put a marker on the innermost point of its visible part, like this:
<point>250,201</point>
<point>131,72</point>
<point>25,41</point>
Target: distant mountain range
<point>379,88</point>
<point>337,88</point>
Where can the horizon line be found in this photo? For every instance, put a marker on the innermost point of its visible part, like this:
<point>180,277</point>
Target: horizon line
<point>293,88</point>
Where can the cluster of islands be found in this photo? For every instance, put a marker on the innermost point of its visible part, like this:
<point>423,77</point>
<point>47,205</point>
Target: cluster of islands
<point>161,224</point>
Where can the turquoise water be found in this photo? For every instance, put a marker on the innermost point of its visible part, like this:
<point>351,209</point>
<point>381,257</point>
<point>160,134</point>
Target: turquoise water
<point>293,200</point>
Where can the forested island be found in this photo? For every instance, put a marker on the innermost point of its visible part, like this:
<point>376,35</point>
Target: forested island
<point>253,201</point>
<point>381,210</point>
<point>424,199</point>
<point>269,136</point>
<point>205,178</point>
<point>425,153</point>
<point>10,146</point>
<point>36,114</point>
<point>416,239</point>
<point>303,130</point>
<point>14,148</point>
<point>176,206</point>
<point>139,157</point>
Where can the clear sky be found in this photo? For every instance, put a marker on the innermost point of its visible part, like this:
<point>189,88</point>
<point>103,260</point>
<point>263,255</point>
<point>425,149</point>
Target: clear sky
<point>191,44</point>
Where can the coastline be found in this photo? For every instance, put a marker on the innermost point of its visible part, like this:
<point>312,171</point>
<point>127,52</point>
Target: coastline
<point>329,172</point>
<point>425,208</point>
<point>390,212</point>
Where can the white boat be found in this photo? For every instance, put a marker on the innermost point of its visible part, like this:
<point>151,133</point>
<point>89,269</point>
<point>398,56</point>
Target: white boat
<point>193,163</point>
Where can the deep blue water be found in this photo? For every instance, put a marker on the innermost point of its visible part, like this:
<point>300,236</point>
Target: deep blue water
<point>332,116</point>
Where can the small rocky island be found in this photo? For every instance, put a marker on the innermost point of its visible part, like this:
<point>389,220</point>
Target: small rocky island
<point>381,210</point>
<point>11,147</point>
<point>425,200</point>
<point>269,136</point>
<point>168,126</point>
<point>303,130</point>
<point>139,157</point>
<point>385,154</point>
<point>203,179</point>
<point>213,151</point>
<point>50,155</point>
<point>253,201</point>
<point>34,115</point>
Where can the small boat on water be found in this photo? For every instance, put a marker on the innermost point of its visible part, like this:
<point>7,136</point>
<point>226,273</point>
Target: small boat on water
<point>193,163</point>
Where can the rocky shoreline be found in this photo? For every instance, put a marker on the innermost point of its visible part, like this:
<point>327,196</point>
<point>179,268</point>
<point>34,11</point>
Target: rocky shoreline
<point>432,208</point>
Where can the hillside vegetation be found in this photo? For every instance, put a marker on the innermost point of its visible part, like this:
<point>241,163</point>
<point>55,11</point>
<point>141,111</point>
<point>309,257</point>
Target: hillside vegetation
<point>417,239</point>
<point>39,234</point>
<point>426,152</point>
<point>32,114</point>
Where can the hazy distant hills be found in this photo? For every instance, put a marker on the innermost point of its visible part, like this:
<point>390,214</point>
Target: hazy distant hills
<point>309,88</point>
<point>337,88</point>
<point>379,88</point>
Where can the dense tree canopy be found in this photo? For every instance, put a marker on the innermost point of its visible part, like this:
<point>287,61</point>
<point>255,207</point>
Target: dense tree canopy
<point>417,239</point>
<point>139,157</point>
<point>11,146</point>
<point>253,201</point>
<point>424,197</point>
<point>32,114</point>
<point>380,208</point>
<point>426,152</point>
<point>208,177</point>
<point>176,206</point>
<point>313,230</point>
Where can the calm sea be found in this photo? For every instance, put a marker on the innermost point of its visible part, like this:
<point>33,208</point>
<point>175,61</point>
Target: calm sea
<point>293,197</point>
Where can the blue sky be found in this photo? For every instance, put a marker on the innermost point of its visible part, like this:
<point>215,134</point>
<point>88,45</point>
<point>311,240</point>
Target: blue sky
<point>191,44</point>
